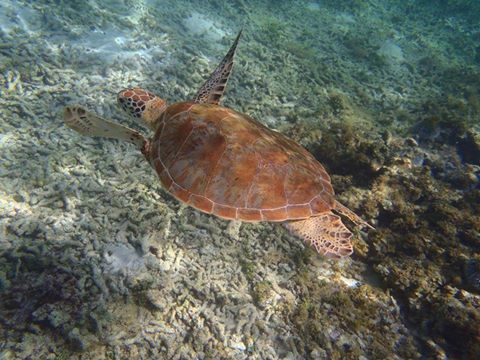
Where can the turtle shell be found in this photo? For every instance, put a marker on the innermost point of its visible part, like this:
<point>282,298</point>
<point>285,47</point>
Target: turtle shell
<point>225,163</point>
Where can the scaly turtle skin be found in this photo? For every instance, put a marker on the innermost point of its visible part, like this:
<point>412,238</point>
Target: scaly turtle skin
<point>225,163</point>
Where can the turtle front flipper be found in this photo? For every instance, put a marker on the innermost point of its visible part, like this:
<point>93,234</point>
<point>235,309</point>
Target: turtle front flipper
<point>326,233</point>
<point>89,124</point>
<point>212,90</point>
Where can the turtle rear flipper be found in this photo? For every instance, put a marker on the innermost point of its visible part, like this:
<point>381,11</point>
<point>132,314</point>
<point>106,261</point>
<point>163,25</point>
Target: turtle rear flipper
<point>326,233</point>
<point>349,214</point>
<point>89,124</point>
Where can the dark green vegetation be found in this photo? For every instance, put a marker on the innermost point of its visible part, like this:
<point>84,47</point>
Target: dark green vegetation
<point>328,324</point>
<point>427,230</point>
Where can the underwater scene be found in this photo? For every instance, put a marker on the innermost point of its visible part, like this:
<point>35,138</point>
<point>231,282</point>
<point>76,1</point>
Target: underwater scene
<point>322,204</point>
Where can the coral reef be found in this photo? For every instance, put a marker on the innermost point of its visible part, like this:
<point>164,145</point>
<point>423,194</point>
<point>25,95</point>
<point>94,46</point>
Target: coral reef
<point>97,261</point>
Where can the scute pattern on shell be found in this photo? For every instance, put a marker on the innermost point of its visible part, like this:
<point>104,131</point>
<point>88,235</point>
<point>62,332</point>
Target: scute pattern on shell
<point>226,163</point>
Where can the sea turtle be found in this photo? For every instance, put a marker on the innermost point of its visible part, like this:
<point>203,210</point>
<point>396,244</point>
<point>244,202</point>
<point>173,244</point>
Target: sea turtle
<point>225,163</point>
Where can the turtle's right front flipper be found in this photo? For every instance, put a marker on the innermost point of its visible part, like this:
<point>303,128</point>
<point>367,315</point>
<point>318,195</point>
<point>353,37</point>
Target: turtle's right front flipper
<point>212,90</point>
<point>89,124</point>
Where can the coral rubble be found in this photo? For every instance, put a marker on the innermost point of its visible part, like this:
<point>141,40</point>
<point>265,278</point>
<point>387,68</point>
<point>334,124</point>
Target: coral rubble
<point>97,261</point>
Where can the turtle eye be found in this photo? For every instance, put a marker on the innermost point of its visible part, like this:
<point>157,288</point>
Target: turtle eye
<point>129,100</point>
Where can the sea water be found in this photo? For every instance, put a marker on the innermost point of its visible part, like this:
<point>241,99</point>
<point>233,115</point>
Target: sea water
<point>99,261</point>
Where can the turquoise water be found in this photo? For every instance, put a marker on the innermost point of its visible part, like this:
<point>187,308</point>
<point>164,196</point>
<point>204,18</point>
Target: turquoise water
<point>98,261</point>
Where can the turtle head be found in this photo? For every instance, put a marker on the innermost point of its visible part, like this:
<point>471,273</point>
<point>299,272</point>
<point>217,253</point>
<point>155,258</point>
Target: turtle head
<point>140,103</point>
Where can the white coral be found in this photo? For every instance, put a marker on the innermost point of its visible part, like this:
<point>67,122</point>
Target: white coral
<point>123,259</point>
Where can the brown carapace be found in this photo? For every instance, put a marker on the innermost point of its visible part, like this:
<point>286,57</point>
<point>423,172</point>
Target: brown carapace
<point>228,164</point>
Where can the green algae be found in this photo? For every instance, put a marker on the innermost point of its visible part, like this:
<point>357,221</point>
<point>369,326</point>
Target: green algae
<point>328,316</point>
<point>344,150</point>
<point>262,292</point>
<point>249,269</point>
<point>409,233</point>
<point>424,209</point>
<point>459,325</point>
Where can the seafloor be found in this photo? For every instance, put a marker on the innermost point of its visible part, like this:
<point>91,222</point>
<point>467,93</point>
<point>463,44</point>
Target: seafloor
<point>98,262</point>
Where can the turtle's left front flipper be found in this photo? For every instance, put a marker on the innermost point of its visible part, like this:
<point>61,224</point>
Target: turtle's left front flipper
<point>89,124</point>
